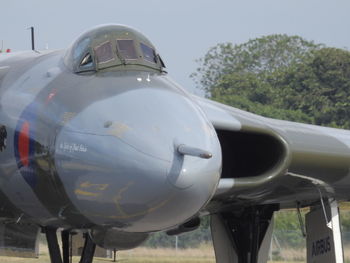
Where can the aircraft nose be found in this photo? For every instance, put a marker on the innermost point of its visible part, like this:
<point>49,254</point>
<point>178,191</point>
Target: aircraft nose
<point>128,159</point>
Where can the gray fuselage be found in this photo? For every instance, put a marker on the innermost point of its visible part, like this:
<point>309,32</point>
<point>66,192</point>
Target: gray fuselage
<point>100,148</point>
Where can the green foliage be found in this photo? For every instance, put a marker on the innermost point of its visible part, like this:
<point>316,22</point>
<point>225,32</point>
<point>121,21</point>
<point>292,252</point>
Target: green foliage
<point>345,220</point>
<point>258,56</point>
<point>287,229</point>
<point>319,87</point>
<point>279,76</point>
<point>244,92</point>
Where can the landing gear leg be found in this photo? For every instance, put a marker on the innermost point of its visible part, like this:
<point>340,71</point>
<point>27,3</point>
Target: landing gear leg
<point>243,237</point>
<point>54,249</point>
<point>88,250</point>
<point>66,246</point>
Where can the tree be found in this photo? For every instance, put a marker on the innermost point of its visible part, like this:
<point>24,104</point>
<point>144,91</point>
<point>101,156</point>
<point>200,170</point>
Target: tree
<point>279,76</point>
<point>258,56</point>
<point>319,87</point>
<point>287,229</point>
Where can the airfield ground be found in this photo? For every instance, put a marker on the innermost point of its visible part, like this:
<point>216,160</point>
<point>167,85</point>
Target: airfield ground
<point>203,254</point>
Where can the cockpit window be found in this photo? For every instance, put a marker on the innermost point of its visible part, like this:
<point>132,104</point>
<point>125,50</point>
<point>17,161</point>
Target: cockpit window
<point>126,48</point>
<point>161,61</point>
<point>148,53</point>
<point>81,48</point>
<point>104,53</point>
<point>112,48</point>
<point>87,60</point>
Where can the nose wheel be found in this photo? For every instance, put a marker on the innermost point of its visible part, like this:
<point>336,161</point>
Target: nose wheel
<point>66,256</point>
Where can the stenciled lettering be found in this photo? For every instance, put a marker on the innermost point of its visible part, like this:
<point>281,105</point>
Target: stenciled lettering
<point>321,246</point>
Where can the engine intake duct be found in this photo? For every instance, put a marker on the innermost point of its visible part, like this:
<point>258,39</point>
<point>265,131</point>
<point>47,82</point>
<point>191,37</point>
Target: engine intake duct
<point>249,154</point>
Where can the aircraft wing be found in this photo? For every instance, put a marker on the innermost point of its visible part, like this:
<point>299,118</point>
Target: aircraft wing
<point>271,164</point>
<point>267,161</point>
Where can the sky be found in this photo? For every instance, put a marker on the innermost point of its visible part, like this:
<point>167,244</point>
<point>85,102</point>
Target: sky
<point>181,30</point>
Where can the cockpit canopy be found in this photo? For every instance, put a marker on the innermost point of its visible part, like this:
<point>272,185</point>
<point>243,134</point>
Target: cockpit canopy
<point>113,47</point>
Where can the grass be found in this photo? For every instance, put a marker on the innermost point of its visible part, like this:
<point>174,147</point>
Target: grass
<point>203,254</point>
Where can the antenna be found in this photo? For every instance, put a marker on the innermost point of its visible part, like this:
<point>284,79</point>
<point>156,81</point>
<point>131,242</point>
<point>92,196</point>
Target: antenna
<point>32,32</point>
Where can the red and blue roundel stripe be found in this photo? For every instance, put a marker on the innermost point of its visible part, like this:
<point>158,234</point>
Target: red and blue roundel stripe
<point>24,142</point>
